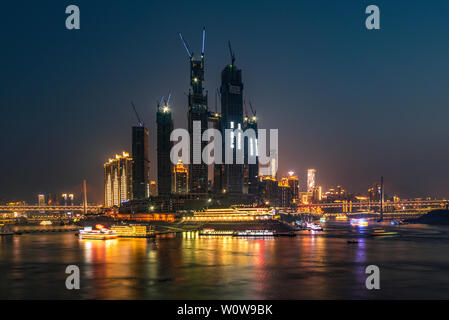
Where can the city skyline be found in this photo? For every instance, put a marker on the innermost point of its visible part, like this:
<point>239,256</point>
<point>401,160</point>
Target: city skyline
<point>392,134</point>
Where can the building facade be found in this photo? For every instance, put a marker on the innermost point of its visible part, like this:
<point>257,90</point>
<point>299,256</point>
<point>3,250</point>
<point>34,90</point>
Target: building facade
<point>180,178</point>
<point>164,146</point>
<point>232,119</point>
<point>311,179</point>
<point>118,182</point>
<point>141,163</point>
<point>251,167</point>
<point>197,118</point>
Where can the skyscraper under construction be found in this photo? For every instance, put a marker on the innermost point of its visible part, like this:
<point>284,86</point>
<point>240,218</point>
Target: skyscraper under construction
<point>141,162</point>
<point>164,146</point>
<point>251,168</point>
<point>232,118</point>
<point>197,121</point>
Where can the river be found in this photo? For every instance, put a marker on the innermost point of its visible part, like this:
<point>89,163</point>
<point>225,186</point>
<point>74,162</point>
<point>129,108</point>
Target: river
<point>320,265</point>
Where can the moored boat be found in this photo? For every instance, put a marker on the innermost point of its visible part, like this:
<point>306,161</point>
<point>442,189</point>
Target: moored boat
<point>97,234</point>
<point>255,233</point>
<point>213,232</point>
<point>313,226</point>
<point>5,230</point>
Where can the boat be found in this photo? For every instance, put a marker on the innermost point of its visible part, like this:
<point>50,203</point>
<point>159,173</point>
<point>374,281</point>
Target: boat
<point>255,233</point>
<point>133,231</point>
<point>383,233</point>
<point>5,230</point>
<point>313,226</point>
<point>396,222</point>
<point>46,223</point>
<point>213,232</point>
<point>352,241</point>
<point>97,234</point>
<point>359,222</point>
<point>341,217</point>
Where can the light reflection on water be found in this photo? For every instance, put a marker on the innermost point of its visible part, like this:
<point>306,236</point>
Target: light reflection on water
<point>310,266</point>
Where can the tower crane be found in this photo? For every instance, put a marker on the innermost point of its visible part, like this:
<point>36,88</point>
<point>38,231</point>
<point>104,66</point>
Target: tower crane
<point>187,47</point>
<point>232,53</point>
<point>137,115</point>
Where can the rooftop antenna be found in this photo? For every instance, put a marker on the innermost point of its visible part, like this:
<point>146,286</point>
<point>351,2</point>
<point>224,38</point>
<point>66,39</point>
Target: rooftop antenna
<point>232,53</point>
<point>137,115</point>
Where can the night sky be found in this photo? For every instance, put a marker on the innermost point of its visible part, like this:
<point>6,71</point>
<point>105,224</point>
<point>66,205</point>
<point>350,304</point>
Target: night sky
<point>353,104</point>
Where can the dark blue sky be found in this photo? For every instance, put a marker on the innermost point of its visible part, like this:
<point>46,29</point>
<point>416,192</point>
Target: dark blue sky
<point>352,103</point>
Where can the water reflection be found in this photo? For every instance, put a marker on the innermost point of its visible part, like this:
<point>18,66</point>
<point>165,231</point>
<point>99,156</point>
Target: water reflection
<point>309,266</point>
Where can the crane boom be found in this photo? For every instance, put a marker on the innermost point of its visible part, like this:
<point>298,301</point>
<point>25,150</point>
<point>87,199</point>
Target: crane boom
<point>168,99</point>
<point>231,52</point>
<point>204,43</point>
<point>137,115</point>
<point>186,46</point>
<point>252,110</point>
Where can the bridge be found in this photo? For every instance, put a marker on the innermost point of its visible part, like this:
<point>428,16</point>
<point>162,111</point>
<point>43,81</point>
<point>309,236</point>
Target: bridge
<point>374,204</point>
<point>54,209</point>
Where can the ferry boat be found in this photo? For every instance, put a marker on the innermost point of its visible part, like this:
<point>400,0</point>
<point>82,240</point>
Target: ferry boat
<point>5,230</point>
<point>313,226</point>
<point>100,233</point>
<point>255,233</point>
<point>359,222</point>
<point>213,232</point>
<point>133,231</point>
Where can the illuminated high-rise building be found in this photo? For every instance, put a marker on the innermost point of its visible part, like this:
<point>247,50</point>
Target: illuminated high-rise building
<point>153,188</point>
<point>118,180</point>
<point>311,179</point>
<point>269,190</point>
<point>293,182</point>
<point>217,167</point>
<point>317,194</point>
<point>141,163</point>
<point>164,146</point>
<point>197,118</point>
<point>285,193</point>
<point>232,119</point>
<point>180,178</point>
<point>41,200</point>
<point>251,170</point>
<point>67,199</point>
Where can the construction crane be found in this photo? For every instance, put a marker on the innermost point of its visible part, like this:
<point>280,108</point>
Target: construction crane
<point>168,99</point>
<point>244,109</point>
<point>137,115</point>
<point>252,110</point>
<point>187,47</point>
<point>232,53</point>
<point>204,43</point>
